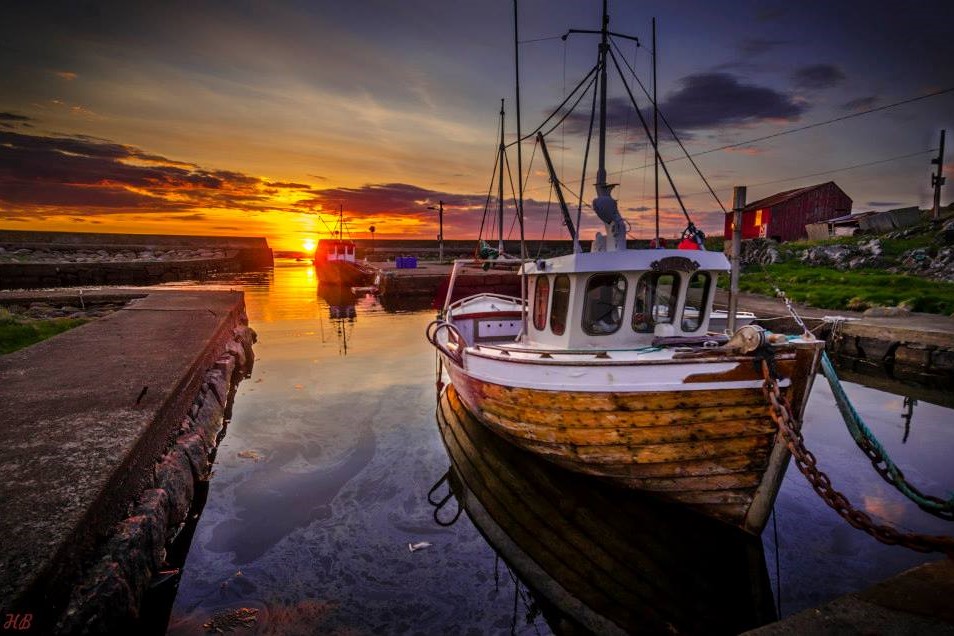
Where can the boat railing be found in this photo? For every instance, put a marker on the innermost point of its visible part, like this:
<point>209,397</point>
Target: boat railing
<point>454,348</point>
<point>460,302</point>
<point>463,263</point>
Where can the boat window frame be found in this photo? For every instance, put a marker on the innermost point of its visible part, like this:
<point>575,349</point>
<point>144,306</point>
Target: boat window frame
<point>562,310</point>
<point>541,305</point>
<point>701,319</point>
<point>673,301</point>
<point>586,325</point>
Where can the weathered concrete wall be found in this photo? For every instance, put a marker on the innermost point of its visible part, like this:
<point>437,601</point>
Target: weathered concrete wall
<point>86,417</point>
<point>108,597</point>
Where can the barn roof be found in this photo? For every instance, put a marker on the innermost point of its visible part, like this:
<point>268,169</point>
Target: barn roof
<point>782,197</point>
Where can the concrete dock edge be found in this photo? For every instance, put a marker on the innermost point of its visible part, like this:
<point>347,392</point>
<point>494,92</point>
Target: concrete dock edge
<point>108,427</point>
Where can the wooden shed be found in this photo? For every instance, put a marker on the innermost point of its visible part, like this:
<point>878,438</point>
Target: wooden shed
<point>783,216</point>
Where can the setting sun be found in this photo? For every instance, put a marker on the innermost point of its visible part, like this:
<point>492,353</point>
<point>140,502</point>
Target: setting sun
<point>309,245</point>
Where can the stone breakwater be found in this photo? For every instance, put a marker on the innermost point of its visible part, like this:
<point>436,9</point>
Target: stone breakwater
<point>57,259</point>
<point>33,268</point>
<point>109,596</point>
<point>53,255</point>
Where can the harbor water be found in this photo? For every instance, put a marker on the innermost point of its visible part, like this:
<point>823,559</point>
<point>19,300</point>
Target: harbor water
<point>317,518</point>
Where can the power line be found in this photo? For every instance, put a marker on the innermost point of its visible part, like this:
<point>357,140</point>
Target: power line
<point>818,174</point>
<point>829,121</point>
<point>800,128</point>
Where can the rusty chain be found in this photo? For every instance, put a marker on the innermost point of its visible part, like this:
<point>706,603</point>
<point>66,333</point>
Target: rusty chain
<point>781,413</point>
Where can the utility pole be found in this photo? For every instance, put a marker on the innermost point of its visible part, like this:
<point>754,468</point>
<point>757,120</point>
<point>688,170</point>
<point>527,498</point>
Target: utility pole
<point>440,230</point>
<point>937,180</point>
<point>738,202</point>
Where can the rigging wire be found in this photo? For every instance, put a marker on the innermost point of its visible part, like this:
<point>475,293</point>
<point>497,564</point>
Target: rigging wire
<point>781,133</point>
<point>480,233</point>
<point>622,157</point>
<point>552,37</point>
<point>671,131</point>
<point>586,157</point>
<point>557,110</point>
<point>662,164</point>
<point>546,219</point>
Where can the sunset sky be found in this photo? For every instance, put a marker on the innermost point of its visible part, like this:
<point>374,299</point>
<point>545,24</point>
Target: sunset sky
<point>261,118</point>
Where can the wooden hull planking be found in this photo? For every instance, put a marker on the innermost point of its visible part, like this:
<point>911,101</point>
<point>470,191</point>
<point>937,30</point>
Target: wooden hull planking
<point>716,450</point>
<point>343,273</point>
<point>605,556</point>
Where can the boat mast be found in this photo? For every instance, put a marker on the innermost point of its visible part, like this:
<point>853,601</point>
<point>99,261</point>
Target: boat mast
<point>604,204</point>
<point>655,133</point>
<point>500,185</point>
<point>516,65</point>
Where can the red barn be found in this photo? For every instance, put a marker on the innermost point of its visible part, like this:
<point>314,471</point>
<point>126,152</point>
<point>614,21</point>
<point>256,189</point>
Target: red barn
<point>783,216</point>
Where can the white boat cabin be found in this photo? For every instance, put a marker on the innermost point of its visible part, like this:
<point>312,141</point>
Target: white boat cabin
<point>620,299</point>
<point>330,250</point>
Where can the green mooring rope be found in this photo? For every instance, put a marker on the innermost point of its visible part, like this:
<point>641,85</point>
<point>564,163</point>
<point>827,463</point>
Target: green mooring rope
<point>864,437</point>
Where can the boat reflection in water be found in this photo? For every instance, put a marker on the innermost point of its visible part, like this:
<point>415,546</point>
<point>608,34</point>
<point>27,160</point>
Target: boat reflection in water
<point>596,556</point>
<point>341,311</point>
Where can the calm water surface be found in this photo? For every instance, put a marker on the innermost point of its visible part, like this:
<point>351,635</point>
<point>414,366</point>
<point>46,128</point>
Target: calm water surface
<point>321,483</point>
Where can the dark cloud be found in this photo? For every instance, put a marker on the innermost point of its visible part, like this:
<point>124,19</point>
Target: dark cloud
<point>708,100</point>
<point>102,176</point>
<point>14,117</point>
<point>861,103</point>
<point>289,185</point>
<point>818,76</point>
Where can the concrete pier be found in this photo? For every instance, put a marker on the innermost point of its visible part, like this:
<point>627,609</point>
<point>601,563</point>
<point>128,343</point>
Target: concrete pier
<point>914,602</point>
<point>895,345</point>
<point>430,280</point>
<point>105,427</point>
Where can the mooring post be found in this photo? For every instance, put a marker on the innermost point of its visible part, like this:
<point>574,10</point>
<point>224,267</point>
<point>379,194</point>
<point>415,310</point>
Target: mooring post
<point>738,202</point>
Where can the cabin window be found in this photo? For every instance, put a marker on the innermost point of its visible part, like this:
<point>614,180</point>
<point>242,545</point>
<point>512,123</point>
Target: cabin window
<point>541,295</point>
<point>655,301</point>
<point>561,303</point>
<point>697,299</point>
<point>603,305</point>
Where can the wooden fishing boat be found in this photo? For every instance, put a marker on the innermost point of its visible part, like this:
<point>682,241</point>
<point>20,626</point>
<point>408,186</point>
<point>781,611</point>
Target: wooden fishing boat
<point>336,262</point>
<point>602,558</point>
<point>608,367</point>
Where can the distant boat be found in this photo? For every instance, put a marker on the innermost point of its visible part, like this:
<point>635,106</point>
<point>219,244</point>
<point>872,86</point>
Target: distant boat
<point>336,262</point>
<point>609,367</point>
<point>602,558</point>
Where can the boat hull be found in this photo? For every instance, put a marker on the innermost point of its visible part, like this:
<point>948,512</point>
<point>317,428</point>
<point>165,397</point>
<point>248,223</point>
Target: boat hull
<point>608,559</point>
<point>715,449</point>
<point>343,273</point>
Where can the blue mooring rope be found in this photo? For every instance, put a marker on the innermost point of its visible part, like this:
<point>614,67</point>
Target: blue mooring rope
<point>863,436</point>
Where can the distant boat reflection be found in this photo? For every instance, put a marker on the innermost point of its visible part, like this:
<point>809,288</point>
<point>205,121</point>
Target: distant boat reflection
<point>597,557</point>
<point>341,311</point>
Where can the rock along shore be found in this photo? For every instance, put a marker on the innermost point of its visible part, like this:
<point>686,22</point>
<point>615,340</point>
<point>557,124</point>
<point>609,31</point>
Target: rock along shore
<point>108,429</point>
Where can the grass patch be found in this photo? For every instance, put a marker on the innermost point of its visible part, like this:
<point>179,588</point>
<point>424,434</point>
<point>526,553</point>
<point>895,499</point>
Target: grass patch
<point>17,334</point>
<point>856,289</point>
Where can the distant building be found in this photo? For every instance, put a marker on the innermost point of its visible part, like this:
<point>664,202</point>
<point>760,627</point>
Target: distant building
<point>864,222</point>
<point>783,216</point>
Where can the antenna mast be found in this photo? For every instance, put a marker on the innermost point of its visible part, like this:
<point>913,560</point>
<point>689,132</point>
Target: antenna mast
<point>500,184</point>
